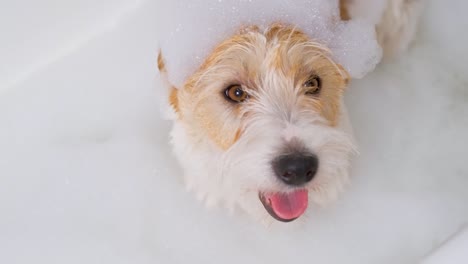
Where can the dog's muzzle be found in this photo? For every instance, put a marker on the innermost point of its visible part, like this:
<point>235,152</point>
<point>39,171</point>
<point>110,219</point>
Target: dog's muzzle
<point>294,169</point>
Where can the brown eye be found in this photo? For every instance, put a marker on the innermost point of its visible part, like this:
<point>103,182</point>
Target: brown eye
<point>313,85</point>
<point>235,93</point>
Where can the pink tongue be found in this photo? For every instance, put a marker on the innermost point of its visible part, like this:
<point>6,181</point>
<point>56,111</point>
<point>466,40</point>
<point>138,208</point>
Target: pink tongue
<point>288,205</point>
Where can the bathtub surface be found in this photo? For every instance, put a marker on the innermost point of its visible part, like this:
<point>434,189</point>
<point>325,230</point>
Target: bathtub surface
<point>86,174</point>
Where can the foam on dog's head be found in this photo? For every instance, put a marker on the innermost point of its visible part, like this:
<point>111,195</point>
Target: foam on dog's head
<point>190,29</point>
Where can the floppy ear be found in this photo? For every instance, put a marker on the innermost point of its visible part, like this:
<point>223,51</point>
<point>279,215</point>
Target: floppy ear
<point>169,101</point>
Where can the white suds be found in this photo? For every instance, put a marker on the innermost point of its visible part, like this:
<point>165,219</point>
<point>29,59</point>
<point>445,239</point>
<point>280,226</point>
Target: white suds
<point>190,29</point>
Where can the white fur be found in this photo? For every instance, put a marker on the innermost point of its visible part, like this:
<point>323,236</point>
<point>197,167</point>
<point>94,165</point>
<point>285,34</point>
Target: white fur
<point>236,176</point>
<point>233,178</point>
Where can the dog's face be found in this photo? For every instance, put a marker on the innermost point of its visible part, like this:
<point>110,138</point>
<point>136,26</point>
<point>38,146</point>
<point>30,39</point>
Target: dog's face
<point>258,125</point>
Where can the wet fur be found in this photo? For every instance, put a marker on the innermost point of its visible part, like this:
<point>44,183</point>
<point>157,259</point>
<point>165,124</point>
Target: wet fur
<point>225,148</point>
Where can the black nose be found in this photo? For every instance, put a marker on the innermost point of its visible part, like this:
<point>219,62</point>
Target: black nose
<point>295,169</point>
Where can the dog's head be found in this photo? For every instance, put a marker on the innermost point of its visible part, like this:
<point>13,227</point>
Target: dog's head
<point>259,125</point>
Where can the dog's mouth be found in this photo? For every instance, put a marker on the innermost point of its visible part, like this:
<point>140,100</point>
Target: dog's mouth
<point>285,207</point>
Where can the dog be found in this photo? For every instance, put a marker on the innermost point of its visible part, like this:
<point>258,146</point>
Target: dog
<point>261,125</point>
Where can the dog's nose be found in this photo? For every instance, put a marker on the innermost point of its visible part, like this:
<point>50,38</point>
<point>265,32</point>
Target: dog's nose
<point>295,169</point>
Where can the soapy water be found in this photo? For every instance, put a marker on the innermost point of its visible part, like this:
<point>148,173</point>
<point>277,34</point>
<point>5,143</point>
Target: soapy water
<point>87,175</point>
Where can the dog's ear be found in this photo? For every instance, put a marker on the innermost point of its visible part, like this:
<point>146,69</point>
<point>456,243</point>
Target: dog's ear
<point>167,91</point>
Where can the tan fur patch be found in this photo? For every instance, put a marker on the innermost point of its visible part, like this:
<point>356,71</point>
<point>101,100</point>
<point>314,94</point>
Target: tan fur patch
<point>289,58</point>
<point>244,59</point>
<point>344,14</point>
<point>173,100</point>
<point>161,65</point>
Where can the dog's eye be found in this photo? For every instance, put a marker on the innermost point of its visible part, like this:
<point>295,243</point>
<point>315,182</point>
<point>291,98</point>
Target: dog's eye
<point>235,93</point>
<point>313,85</point>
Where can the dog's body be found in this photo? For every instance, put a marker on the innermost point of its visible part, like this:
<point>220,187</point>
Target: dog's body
<point>261,124</point>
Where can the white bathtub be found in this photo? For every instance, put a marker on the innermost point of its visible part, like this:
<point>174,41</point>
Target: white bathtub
<point>86,175</point>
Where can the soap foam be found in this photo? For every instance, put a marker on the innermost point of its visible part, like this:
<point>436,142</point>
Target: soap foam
<point>190,29</point>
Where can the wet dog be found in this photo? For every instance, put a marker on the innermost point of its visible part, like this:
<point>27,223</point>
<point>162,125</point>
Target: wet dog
<point>261,124</point>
